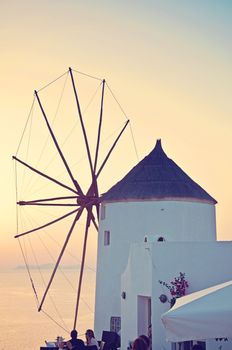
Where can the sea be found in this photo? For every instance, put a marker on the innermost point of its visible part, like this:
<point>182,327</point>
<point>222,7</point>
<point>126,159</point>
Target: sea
<point>23,327</point>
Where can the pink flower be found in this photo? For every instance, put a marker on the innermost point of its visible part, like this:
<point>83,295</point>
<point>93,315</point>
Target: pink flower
<point>178,286</point>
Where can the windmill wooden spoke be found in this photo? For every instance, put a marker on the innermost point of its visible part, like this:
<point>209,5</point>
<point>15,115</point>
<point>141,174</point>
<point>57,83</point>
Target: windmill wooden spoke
<point>104,162</point>
<point>47,199</point>
<point>44,175</point>
<point>88,219</point>
<point>57,146</point>
<point>60,256</point>
<point>97,210</point>
<point>97,207</point>
<point>99,128</point>
<point>97,146</point>
<point>111,149</point>
<point>108,155</point>
<point>49,204</point>
<point>94,222</point>
<point>81,120</point>
<point>47,224</point>
<point>80,200</point>
<point>84,132</point>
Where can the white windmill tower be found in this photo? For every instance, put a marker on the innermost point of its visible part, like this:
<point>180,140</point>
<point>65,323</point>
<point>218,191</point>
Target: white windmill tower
<point>156,200</point>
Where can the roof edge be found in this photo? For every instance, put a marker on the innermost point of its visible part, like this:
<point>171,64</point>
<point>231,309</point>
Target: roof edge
<point>161,199</point>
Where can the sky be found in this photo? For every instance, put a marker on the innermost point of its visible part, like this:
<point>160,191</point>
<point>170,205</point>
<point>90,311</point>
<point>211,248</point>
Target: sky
<point>168,62</point>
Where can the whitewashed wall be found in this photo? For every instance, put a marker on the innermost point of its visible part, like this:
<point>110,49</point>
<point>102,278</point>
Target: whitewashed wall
<point>129,222</point>
<point>136,281</point>
<point>205,264</point>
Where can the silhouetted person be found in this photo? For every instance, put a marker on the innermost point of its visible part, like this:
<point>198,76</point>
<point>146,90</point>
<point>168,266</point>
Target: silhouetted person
<point>146,339</point>
<point>90,338</point>
<point>74,343</point>
<point>139,344</point>
<point>197,347</point>
<point>149,334</point>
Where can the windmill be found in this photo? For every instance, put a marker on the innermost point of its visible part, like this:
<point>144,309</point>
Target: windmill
<point>87,201</point>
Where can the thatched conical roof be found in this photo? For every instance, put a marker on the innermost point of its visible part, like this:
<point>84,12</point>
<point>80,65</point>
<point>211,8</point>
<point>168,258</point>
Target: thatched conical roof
<point>157,177</point>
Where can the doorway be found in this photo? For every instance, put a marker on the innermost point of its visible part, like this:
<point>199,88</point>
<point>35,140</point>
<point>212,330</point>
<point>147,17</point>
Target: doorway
<point>143,314</point>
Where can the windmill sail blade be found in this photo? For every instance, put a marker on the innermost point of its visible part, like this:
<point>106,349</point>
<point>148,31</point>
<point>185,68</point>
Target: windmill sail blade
<point>48,204</point>
<point>44,175</point>
<point>99,127</point>
<point>60,256</point>
<point>81,120</point>
<point>48,224</point>
<point>57,146</point>
<point>47,199</point>
<point>111,149</point>
<point>94,221</point>
<point>97,148</point>
<point>84,134</point>
<point>94,183</point>
<point>88,219</point>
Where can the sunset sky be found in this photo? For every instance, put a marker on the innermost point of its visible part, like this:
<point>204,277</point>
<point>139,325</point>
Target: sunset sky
<point>168,63</point>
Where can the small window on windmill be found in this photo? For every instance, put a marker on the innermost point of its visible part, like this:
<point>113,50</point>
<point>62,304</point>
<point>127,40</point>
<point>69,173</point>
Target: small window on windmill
<point>106,237</point>
<point>115,324</point>
<point>103,211</point>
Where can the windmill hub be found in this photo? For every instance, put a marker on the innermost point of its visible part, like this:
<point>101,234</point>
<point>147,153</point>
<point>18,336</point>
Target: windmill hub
<point>87,201</point>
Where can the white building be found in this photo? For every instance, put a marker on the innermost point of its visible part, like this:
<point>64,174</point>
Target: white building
<point>155,201</point>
